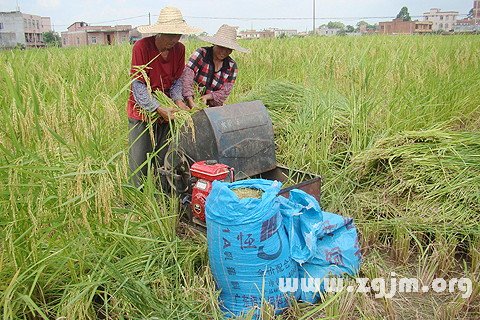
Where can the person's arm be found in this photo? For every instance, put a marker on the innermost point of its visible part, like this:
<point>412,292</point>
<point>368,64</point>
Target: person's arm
<point>193,66</point>
<point>176,92</point>
<point>218,97</point>
<point>140,61</point>
<point>187,86</point>
<point>143,98</point>
<point>146,101</point>
<point>176,87</point>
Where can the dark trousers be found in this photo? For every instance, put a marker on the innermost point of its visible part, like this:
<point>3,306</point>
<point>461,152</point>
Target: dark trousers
<point>144,141</point>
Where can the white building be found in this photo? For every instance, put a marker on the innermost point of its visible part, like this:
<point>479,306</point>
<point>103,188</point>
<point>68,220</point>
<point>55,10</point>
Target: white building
<point>254,34</point>
<point>283,32</point>
<point>17,28</point>
<point>442,20</point>
<point>325,31</point>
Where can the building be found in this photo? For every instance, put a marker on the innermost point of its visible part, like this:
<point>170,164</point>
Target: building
<point>442,20</point>
<point>17,28</point>
<point>278,33</point>
<point>267,33</point>
<point>325,31</point>
<point>254,34</point>
<point>365,28</point>
<point>81,34</point>
<point>470,24</point>
<point>398,26</point>
<point>466,25</point>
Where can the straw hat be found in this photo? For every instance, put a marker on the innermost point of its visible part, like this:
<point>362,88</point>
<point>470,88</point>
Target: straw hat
<point>169,21</point>
<point>226,36</point>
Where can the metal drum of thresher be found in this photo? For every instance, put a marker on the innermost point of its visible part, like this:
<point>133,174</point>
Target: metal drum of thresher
<point>238,135</point>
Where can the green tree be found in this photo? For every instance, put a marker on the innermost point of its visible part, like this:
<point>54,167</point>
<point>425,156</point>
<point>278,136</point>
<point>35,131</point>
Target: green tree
<point>51,38</point>
<point>404,15</point>
<point>335,25</point>
<point>350,29</point>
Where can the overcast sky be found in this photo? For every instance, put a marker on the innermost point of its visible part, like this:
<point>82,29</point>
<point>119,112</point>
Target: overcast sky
<point>202,13</point>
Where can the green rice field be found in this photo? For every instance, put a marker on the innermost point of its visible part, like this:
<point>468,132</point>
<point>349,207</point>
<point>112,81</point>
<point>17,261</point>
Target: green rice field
<point>392,124</point>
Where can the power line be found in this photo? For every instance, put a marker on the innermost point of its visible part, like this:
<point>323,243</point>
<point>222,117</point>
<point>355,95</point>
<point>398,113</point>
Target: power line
<point>302,18</point>
<point>107,21</point>
<point>123,19</point>
<point>255,18</point>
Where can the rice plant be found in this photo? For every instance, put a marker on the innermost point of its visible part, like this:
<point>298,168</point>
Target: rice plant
<point>391,123</point>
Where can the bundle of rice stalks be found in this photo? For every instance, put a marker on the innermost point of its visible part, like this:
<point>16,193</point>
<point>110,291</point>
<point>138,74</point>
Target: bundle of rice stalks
<point>282,98</point>
<point>424,180</point>
<point>280,95</point>
<point>182,117</point>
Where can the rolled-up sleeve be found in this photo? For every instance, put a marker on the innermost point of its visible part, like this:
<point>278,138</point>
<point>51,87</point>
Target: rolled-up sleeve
<point>143,98</point>
<point>176,90</point>
<point>187,82</point>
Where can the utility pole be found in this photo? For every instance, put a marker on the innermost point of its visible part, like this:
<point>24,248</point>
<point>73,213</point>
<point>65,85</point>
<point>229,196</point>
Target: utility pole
<point>476,13</point>
<point>313,17</point>
<point>149,22</point>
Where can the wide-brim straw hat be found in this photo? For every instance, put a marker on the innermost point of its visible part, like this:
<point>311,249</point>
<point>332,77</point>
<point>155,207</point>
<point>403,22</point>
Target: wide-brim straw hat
<point>226,36</point>
<point>169,21</point>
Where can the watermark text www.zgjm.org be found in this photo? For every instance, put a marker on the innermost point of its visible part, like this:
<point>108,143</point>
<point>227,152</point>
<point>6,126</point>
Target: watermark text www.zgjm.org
<point>383,288</point>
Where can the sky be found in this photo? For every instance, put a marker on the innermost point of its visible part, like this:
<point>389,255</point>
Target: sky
<point>246,14</point>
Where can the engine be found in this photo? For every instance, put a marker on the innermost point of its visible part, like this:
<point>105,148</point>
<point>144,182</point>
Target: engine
<point>205,172</point>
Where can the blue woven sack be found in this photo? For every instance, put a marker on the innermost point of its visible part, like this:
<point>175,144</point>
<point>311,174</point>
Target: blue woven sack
<point>248,246</point>
<point>324,244</point>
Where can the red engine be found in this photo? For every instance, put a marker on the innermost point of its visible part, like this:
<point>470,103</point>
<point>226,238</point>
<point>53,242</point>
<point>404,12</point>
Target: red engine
<point>206,172</point>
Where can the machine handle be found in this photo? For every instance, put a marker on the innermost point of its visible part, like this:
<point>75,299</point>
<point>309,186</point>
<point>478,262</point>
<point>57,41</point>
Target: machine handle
<point>232,174</point>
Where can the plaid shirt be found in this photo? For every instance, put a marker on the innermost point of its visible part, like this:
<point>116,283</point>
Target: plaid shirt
<point>201,62</point>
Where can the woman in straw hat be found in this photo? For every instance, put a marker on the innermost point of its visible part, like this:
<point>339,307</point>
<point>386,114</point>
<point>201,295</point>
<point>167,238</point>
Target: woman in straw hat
<point>212,68</point>
<point>161,59</point>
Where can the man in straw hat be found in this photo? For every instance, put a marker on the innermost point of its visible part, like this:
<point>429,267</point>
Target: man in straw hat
<point>212,68</point>
<point>161,59</point>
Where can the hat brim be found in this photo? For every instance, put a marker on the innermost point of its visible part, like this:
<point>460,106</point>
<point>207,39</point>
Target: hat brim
<point>169,29</point>
<point>224,43</point>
